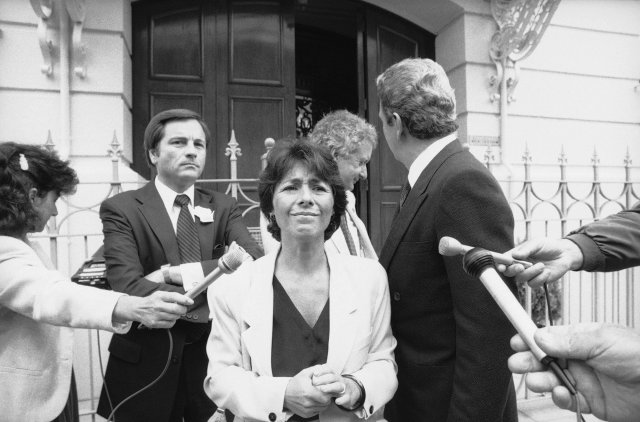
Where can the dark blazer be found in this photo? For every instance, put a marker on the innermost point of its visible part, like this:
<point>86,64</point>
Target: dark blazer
<point>453,340</point>
<point>610,244</point>
<point>138,239</point>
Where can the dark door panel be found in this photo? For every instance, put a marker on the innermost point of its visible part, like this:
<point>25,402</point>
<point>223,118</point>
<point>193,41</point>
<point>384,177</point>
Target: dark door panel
<point>232,61</point>
<point>388,41</point>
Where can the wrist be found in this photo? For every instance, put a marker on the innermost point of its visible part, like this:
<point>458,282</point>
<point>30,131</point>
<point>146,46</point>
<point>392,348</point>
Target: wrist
<point>574,254</point>
<point>165,273</point>
<point>123,310</point>
<point>176,274</point>
<point>358,387</point>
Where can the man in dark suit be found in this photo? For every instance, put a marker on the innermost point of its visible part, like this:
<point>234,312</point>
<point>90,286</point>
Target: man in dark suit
<point>453,340</point>
<point>167,236</point>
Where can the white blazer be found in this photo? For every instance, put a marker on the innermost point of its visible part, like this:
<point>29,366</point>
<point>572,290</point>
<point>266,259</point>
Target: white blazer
<point>36,350</point>
<point>239,376</point>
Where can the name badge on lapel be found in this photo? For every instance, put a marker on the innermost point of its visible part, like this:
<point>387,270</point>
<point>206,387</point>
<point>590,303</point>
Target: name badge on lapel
<point>204,214</point>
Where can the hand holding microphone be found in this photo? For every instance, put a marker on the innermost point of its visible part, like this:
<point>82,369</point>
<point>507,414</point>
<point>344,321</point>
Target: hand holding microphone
<point>228,263</point>
<point>553,259</point>
<point>480,263</point>
<point>449,246</point>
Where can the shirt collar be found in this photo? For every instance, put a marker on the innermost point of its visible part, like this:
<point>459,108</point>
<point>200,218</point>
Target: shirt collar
<point>168,195</point>
<point>422,161</point>
<point>351,199</point>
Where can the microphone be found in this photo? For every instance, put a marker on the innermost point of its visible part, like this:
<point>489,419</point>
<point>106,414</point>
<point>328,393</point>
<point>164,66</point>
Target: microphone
<point>479,263</point>
<point>228,263</point>
<point>449,246</point>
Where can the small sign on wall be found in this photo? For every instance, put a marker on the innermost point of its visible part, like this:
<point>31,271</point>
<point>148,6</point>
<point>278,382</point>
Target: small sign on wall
<point>478,141</point>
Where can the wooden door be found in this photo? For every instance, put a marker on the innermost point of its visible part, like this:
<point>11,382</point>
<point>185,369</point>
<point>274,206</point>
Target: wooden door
<point>231,61</point>
<point>388,40</point>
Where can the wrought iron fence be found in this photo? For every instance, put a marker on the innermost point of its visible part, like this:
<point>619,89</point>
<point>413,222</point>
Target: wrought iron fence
<point>551,205</point>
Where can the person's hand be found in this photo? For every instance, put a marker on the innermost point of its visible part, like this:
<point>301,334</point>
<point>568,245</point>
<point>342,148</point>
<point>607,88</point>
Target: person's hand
<point>345,391</point>
<point>158,310</point>
<point>552,257</point>
<point>302,397</point>
<point>604,361</point>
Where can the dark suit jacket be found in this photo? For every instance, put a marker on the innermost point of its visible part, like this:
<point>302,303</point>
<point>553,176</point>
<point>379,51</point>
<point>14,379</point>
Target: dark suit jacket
<point>453,340</point>
<point>138,239</point>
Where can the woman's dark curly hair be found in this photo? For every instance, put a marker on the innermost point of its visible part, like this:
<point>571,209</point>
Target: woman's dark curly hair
<point>318,160</point>
<point>23,167</point>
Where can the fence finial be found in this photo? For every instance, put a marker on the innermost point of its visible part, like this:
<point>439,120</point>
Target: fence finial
<point>115,151</point>
<point>233,150</point>
<point>627,158</point>
<point>48,144</point>
<point>268,145</point>
<point>526,156</point>
<point>595,160</point>
<point>562,158</point>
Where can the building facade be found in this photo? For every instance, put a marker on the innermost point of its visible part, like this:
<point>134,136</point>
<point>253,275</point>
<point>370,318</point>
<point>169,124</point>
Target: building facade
<point>83,72</point>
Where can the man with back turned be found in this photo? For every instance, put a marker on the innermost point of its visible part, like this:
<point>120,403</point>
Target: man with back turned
<point>453,340</point>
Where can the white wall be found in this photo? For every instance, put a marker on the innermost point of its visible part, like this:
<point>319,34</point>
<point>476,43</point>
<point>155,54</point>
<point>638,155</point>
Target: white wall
<point>579,89</point>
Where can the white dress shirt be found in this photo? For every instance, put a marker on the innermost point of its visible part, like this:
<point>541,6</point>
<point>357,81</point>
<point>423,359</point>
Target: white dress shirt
<point>422,161</point>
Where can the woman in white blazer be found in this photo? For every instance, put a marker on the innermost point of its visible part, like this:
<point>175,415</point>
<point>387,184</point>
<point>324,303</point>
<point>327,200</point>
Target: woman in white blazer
<point>351,141</point>
<point>37,303</point>
<point>302,334</point>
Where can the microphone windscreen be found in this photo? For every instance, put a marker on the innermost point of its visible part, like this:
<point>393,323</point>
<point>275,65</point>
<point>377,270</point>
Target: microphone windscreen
<point>231,261</point>
<point>449,246</point>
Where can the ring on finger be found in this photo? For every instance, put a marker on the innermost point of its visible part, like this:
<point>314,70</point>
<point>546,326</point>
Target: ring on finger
<point>344,390</point>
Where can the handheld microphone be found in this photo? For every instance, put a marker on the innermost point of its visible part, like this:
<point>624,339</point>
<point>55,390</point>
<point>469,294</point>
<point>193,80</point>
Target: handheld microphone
<point>479,263</point>
<point>228,263</point>
<point>449,246</point>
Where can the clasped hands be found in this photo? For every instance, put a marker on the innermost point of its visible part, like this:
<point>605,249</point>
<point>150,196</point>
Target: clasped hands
<point>311,391</point>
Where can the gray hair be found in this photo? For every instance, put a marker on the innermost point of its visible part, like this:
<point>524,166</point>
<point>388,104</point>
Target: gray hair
<point>418,90</point>
<point>343,133</point>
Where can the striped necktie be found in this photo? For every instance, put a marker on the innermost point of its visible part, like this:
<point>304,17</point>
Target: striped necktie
<point>186,232</point>
<point>344,226</point>
<point>404,192</point>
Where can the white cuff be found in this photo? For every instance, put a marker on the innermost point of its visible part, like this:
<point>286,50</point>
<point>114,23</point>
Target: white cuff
<point>192,274</point>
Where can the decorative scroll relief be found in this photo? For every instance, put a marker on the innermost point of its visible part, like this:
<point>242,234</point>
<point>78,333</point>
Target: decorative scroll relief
<point>76,10</point>
<point>521,25</point>
<point>44,9</point>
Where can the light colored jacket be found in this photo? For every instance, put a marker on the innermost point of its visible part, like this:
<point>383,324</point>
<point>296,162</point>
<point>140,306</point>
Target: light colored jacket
<point>36,350</point>
<point>239,376</point>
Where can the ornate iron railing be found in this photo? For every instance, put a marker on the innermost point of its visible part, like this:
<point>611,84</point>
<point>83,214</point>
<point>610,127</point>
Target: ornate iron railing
<point>555,205</point>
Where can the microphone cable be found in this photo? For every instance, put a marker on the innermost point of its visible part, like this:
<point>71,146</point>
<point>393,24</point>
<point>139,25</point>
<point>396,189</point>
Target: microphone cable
<point>146,387</point>
<point>104,381</point>
<point>562,373</point>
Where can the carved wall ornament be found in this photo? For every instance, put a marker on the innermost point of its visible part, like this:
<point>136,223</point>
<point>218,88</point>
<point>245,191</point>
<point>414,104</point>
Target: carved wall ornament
<point>76,10</point>
<point>521,24</point>
<point>43,10</point>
